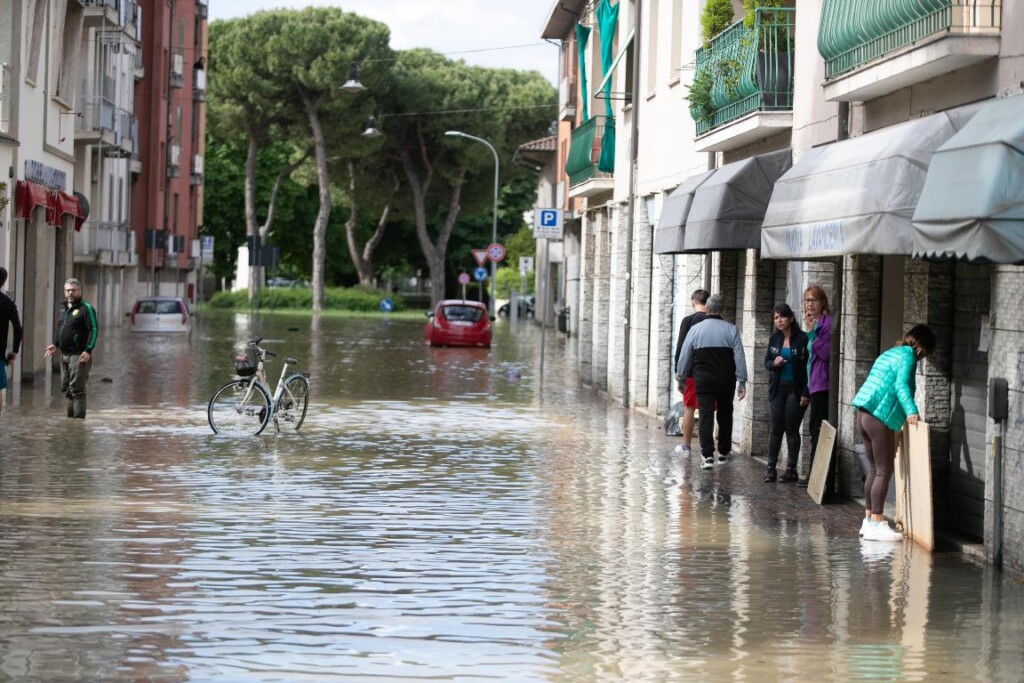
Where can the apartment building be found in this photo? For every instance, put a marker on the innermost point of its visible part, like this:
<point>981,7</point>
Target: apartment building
<point>167,195</point>
<point>829,141</point>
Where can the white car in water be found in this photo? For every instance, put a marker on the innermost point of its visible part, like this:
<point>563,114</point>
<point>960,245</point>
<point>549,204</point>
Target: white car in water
<point>160,315</point>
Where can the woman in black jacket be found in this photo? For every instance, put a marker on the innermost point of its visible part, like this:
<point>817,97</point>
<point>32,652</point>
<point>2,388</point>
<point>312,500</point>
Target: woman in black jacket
<point>786,360</point>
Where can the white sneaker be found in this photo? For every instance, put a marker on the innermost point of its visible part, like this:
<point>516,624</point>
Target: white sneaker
<point>708,463</point>
<point>723,458</point>
<point>864,525</point>
<point>881,531</point>
<point>683,448</point>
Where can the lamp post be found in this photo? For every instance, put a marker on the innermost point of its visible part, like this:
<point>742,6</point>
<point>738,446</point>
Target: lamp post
<point>494,224</point>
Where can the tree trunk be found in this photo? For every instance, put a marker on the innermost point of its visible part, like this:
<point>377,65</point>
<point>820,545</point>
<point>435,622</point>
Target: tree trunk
<point>434,254</point>
<point>255,279</point>
<point>324,213</point>
<point>362,259</point>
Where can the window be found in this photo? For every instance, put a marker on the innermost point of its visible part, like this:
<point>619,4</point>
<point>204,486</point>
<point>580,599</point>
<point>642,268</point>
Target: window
<point>651,49</point>
<point>676,58</point>
<point>37,10</point>
<point>67,58</point>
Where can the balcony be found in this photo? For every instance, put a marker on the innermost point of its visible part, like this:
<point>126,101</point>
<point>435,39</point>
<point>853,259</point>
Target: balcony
<point>104,242</point>
<point>199,85</point>
<point>567,99</point>
<point>202,8</point>
<point>196,175</point>
<point>140,66</point>
<point>99,120</point>
<point>873,49</point>
<point>585,179</point>
<point>177,73</point>
<point>174,161</point>
<point>135,158</point>
<point>743,85</point>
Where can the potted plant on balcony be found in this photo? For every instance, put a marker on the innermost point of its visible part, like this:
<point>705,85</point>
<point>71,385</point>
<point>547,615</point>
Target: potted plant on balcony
<point>774,51</point>
<point>716,16</point>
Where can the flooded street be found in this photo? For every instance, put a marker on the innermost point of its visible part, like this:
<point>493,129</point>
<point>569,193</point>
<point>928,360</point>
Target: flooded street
<point>440,516</point>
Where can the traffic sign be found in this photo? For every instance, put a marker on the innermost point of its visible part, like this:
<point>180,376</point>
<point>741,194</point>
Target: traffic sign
<point>525,265</point>
<point>463,278</point>
<point>480,274</point>
<point>547,224</point>
<point>387,305</point>
<point>495,252</point>
<point>480,256</point>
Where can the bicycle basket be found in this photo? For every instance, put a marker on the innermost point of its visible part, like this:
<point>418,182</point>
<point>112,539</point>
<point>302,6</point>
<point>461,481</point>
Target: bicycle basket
<point>244,365</point>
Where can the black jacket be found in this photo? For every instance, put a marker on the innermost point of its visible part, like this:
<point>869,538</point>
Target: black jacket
<point>798,345</point>
<point>76,329</point>
<point>9,317</point>
<point>684,328</point>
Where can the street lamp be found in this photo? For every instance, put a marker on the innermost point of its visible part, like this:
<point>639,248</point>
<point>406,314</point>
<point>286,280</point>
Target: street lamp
<point>494,224</point>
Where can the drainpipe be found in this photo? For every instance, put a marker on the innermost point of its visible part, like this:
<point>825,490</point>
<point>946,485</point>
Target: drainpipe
<point>834,366</point>
<point>633,153</point>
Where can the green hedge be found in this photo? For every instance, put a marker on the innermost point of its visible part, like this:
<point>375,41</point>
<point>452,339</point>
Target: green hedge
<point>301,298</point>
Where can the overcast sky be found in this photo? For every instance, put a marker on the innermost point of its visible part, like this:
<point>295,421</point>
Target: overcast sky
<point>446,26</point>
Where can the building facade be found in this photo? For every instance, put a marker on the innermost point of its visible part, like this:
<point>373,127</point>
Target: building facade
<point>794,146</point>
<point>84,184</point>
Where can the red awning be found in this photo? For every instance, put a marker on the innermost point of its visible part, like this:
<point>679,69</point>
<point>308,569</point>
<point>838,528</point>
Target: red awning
<point>64,203</point>
<point>27,196</point>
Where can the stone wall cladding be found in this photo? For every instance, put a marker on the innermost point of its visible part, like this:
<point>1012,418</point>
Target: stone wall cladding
<point>641,306</point>
<point>1006,359</point>
<point>587,285</point>
<point>859,325</point>
<point>602,301</point>
<point>619,239</point>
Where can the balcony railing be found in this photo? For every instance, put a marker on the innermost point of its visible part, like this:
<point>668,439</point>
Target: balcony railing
<point>107,235</point>
<point>177,75</point>
<point>585,151</point>
<point>744,70</point>
<point>199,85</point>
<point>174,161</point>
<point>101,116</point>
<point>855,32</point>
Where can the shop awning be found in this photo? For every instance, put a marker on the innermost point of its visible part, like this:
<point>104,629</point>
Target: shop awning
<point>63,203</point>
<point>856,196</point>
<point>728,208</point>
<point>29,195</point>
<point>668,235</point>
<point>972,206</point>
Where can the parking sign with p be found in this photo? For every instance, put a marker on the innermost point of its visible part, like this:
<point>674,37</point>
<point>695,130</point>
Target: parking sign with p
<point>547,224</point>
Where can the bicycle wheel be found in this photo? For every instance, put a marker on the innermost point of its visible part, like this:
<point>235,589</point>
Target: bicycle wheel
<point>291,407</point>
<point>237,411</point>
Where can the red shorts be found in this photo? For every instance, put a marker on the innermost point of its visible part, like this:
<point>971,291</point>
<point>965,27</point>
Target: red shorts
<point>689,394</point>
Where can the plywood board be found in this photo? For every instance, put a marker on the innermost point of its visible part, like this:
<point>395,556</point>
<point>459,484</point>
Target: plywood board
<point>914,485</point>
<point>822,460</point>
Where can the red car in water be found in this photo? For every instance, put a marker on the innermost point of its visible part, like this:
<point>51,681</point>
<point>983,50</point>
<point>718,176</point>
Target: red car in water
<point>455,322</point>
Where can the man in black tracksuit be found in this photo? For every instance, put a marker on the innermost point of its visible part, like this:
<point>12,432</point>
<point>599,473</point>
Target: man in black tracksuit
<point>75,336</point>
<point>713,354</point>
<point>8,319</point>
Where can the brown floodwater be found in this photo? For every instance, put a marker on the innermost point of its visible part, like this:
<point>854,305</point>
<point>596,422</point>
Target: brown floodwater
<point>442,515</point>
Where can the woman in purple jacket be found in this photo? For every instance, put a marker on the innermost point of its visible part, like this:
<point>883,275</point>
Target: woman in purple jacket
<point>818,323</point>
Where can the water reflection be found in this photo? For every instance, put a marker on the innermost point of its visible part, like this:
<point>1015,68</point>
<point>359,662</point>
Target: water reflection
<point>436,519</point>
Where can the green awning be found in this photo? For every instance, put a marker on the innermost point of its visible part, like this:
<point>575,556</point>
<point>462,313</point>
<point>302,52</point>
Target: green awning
<point>972,205</point>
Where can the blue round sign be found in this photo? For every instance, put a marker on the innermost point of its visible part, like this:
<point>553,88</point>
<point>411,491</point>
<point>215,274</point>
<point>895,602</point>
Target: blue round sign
<point>480,274</point>
<point>387,305</point>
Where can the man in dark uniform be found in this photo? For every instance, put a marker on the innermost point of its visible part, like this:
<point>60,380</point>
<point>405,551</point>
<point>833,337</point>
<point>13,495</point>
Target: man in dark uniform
<point>8,318</point>
<point>75,336</point>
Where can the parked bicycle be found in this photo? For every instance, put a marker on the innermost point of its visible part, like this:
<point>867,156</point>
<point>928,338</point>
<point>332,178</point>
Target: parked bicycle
<point>246,406</point>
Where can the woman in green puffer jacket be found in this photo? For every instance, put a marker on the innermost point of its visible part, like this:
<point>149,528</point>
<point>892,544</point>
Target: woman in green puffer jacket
<point>884,403</point>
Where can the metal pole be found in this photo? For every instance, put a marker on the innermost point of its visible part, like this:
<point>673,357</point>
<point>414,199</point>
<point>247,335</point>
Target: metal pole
<point>494,223</point>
